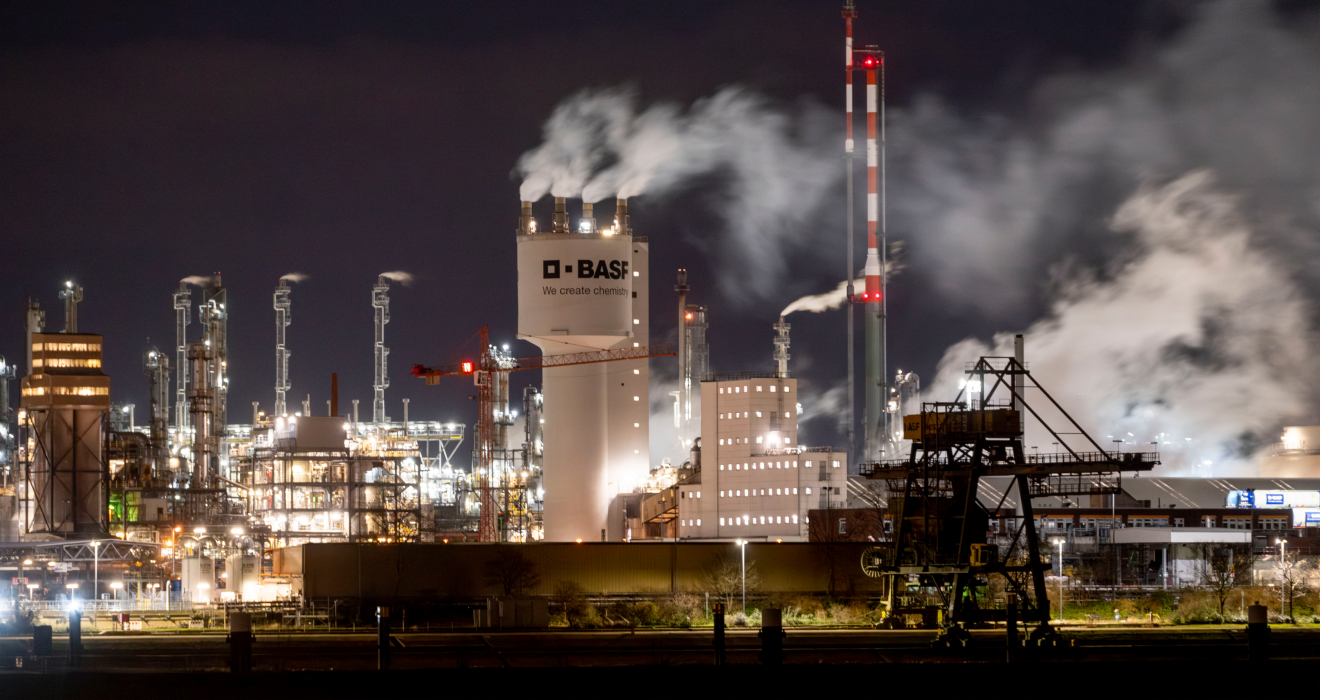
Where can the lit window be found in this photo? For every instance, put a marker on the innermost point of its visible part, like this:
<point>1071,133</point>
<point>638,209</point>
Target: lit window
<point>683,523</point>
<point>808,490</point>
<point>795,464</point>
<point>721,494</point>
<point>721,441</point>
<point>637,371</point>
<point>786,414</point>
<point>795,519</point>
<point>721,416</point>
<point>735,390</point>
<point>745,390</point>
<point>778,520</point>
<point>836,464</point>
<point>762,519</point>
<point>807,464</point>
<point>698,522</point>
<point>637,425</point>
<point>721,521</point>
<point>758,387</point>
<point>787,389</point>
<point>758,414</point>
<point>772,389</point>
<point>778,492</point>
<point>636,273</point>
<point>637,345</point>
<point>787,440</point>
<point>637,321</point>
<point>795,492</point>
<point>637,452</point>
<point>721,390</point>
<point>638,398</point>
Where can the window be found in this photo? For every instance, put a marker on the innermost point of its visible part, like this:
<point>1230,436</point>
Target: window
<point>778,520</point>
<point>637,345</point>
<point>772,389</point>
<point>637,371</point>
<point>794,519</point>
<point>637,273</point>
<point>698,494</point>
<point>721,441</point>
<point>721,494</point>
<point>807,464</point>
<point>637,425</point>
<point>836,464</point>
<point>1207,521</point>
<point>698,522</point>
<point>721,416</point>
<point>843,526</point>
<point>787,389</point>
<point>721,521</point>
<point>777,492</point>
<point>795,492</point>
<point>758,414</point>
<point>758,439</point>
<point>637,322</point>
<point>758,387</point>
<point>1178,522</point>
<point>787,440</point>
<point>682,522</point>
<point>721,390</point>
<point>808,491</point>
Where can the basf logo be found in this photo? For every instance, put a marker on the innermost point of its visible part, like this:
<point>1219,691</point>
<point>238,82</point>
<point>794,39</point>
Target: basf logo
<point>586,269</point>
<point>1274,499</point>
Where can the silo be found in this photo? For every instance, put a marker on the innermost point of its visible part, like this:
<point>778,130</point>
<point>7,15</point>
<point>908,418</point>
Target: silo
<point>575,295</point>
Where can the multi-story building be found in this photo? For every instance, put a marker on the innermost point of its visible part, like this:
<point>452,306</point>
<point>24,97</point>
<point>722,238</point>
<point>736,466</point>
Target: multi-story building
<point>754,480</point>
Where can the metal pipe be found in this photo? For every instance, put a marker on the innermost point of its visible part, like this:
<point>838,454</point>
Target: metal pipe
<point>684,377</point>
<point>182,317</point>
<point>850,13</point>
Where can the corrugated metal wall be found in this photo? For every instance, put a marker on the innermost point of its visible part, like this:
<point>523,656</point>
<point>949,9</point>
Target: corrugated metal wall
<point>460,570</point>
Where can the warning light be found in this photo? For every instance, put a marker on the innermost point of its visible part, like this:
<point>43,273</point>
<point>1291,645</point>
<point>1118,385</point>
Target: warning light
<point>689,316</point>
<point>467,368</point>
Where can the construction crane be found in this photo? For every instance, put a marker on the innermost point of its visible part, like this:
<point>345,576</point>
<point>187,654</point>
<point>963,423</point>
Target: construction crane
<point>483,372</point>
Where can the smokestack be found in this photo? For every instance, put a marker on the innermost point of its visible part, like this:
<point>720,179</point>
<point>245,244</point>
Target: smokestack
<point>684,376</point>
<point>588,223</point>
<point>405,417</point>
<point>36,322</point>
<point>526,222</point>
<point>781,348</point>
<point>621,223</point>
<point>334,394</point>
<point>71,294</point>
<point>283,317</point>
<point>380,301</point>
<point>561,215</point>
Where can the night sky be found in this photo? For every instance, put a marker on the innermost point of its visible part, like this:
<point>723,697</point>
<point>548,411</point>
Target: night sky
<point>143,143</point>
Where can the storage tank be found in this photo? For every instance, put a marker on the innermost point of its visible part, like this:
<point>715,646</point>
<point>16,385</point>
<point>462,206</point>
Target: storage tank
<point>575,294</point>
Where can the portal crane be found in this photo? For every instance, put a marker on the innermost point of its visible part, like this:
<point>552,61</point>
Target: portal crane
<point>483,371</point>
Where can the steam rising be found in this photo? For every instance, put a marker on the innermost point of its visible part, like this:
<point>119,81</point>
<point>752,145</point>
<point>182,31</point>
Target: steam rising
<point>1193,342</point>
<point>776,165</point>
<point>403,278</point>
<point>295,277</point>
<point>833,299</point>
<point>199,280</point>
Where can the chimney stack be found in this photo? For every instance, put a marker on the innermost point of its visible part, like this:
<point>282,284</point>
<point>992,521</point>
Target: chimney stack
<point>588,224</point>
<point>526,222</point>
<point>621,223</point>
<point>561,215</point>
<point>334,394</point>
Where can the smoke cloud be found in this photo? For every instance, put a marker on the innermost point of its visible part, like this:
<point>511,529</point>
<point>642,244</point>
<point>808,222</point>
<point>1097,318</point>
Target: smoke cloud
<point>1194,343</point>
<point>1189,320</point>
<point>833,299</point>
<point>776,166</point>
<point>199,280</point>
<point>403,278</point>
<point>295,277</point>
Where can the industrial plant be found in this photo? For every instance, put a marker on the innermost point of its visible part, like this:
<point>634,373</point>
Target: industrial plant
<point>548,507</point>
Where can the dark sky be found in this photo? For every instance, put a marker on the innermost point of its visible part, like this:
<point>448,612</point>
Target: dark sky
<point>145,142</point>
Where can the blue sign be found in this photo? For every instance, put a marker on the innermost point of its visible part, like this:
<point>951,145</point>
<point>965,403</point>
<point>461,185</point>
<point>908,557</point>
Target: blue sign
<point>1274,499</point>
<point>1312,516</point>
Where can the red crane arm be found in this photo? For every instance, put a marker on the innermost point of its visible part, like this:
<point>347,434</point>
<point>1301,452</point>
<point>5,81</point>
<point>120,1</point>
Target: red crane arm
<point>432,374</point>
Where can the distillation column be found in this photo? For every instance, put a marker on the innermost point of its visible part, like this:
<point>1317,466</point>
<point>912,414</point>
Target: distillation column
<point>283,317</point>
<point>182,317</point>
<point>380,301</point>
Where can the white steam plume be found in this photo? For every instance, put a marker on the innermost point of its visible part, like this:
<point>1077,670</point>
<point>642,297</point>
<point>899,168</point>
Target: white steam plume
<point>295,277</point>
<point>775,166</point>
<point>1193,342</point>
<point>833,299</point>
<point>199,280</point>
<point>403,278</point>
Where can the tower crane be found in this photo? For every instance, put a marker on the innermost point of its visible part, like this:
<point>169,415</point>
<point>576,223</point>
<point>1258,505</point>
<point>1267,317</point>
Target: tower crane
<point>483,372</point>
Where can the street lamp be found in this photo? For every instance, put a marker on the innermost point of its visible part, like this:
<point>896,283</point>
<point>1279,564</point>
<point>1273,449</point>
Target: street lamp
<point>742,548</point>
<point>1283,583</point>
<point>96,569</point>
<point>116,586</point>
<point>1059,541</point>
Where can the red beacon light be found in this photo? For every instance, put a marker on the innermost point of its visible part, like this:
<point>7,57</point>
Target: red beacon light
<point>467,367</point>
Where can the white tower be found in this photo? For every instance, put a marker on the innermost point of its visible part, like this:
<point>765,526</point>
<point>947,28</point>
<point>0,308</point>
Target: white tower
<point>380,301</point>
<point>576,294</point>
<point>182,317</point>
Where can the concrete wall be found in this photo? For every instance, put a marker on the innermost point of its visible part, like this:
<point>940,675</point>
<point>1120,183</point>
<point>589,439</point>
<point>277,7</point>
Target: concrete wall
<point>460,570</point>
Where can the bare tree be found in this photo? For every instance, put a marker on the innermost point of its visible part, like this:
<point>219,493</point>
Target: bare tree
<point>512,571</point>
<point>1295,576</point>
<point>1224,567</point>
<point>724,577</point>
